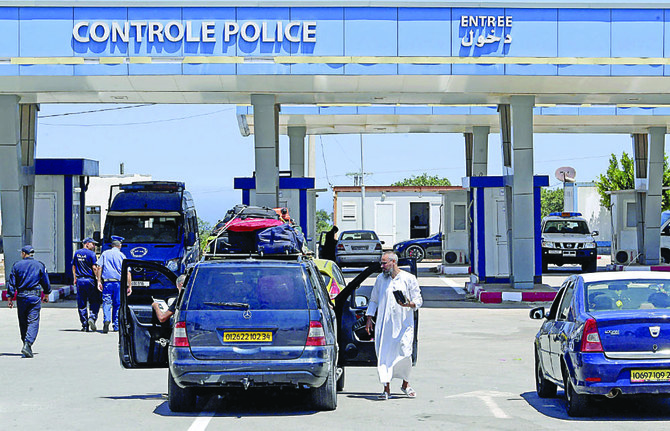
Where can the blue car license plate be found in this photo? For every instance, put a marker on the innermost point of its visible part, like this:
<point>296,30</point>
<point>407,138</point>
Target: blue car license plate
<point>647,376</point>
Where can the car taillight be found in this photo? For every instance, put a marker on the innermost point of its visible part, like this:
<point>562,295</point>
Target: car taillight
<point>316,336</point>
<point>179,335</point>
<point>590,337</point>
<point>340,246</point>
<point>378,246</point>
<point>334,290</point>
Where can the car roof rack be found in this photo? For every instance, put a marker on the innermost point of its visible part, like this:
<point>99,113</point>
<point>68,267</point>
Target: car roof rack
<point>259,256</point>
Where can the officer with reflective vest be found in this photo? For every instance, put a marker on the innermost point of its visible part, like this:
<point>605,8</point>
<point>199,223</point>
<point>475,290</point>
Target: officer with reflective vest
<point>88,294</point>
<point>28,279</point>
<point>108,273</point>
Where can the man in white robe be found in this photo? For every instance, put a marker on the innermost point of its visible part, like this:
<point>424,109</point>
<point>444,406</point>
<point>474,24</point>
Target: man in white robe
<point>394,327</point>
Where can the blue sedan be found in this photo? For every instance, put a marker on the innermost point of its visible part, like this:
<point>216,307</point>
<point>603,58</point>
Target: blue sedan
<point>420,248</point>
<point>606,334</point>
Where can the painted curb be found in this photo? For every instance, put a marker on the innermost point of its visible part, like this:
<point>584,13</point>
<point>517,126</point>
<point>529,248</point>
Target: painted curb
<point>486,297</point>
<point>453,270</point>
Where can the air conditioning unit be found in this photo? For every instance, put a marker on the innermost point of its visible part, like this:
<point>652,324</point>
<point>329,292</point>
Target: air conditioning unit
<point>624,257</point>
<point>455,257</point>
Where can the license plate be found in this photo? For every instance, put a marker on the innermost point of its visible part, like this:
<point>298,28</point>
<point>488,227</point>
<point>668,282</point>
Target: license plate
<point>570,253</point>
<point>247,337</point>
<point>359,247</point>
<point>139,283</point>
<point>644,376</point>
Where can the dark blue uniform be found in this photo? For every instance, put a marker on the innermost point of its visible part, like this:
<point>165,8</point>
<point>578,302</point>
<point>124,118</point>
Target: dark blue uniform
<point>87,290</point>
<point>28,279</point>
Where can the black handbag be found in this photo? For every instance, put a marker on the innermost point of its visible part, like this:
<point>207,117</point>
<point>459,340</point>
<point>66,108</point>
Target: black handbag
<point>359,329</point>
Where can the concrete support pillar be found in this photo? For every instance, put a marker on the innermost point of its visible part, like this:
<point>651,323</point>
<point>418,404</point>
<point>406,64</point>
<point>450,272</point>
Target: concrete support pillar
<point>12,206</point>
<point>480,150</point>
<point>523,231</point>
<point>296,139</point>
<point>653,204</point>
<point>468,153</point>
<point>311,156</point>
<point>28,135</point>
<point>266,144</point>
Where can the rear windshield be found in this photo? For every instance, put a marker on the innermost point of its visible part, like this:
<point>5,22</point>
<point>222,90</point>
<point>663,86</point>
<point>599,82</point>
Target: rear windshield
<point>566,226</point>
<point>358,236</point>
<point>628,295</point>
<point>262,288</point>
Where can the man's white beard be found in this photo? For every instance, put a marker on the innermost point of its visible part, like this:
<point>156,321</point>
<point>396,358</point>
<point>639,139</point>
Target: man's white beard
<point>388,272</point>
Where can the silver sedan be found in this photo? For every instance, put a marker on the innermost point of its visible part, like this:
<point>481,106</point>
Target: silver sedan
<point>358,248</point>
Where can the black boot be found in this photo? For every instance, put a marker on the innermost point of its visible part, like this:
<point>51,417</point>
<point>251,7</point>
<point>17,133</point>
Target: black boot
<point>27,351</point>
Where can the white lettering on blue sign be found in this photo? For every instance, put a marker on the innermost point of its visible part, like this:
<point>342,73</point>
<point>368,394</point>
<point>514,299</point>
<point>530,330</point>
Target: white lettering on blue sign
<point>205,31</point>
<point>488,22</point>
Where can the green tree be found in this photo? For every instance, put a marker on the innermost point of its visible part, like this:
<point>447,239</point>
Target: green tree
<point>423,180</point>
<point>620,175</point>
<point>323,221</point>
<point>204,229</point>
<point>551,201</point>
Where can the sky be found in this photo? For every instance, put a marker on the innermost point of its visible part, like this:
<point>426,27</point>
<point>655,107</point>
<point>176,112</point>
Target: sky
<point>202,146</point>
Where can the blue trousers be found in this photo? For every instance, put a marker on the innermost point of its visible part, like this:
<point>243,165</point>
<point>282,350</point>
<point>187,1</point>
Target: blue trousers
<point>111,302</point>
<point>88,293</point>
<point>28,308</point>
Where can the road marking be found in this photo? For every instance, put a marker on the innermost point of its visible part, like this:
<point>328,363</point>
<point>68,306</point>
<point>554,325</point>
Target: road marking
<point>487,399</point>
<point>202,421</point>
<point>451,283</point>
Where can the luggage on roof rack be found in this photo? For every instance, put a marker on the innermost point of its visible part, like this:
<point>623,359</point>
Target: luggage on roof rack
<point>249,230</point>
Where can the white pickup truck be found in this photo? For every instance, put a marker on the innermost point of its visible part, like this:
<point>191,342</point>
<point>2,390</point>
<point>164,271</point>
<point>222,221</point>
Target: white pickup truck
<point>566,238</point>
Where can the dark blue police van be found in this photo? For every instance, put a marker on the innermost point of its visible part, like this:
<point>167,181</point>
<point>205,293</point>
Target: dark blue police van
<point>158,222</point>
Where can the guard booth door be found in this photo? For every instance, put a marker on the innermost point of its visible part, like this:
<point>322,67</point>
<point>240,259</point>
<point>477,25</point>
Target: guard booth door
<point>419,219</point>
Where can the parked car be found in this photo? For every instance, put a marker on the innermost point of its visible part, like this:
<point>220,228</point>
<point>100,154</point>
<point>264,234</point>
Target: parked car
<point>239,323</point>
<point>605,335</point>
<point>234,328</point>
<point>566,238</point>
<point>358,248</point>
<point>332,276</point>
<point>420,248</point>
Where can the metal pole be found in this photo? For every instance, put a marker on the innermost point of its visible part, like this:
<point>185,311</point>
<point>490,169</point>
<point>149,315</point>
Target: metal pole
<point>362,186</point>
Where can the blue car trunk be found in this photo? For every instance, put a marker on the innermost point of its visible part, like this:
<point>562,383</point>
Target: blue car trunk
<point>634,331</point>
<point>265,335</point>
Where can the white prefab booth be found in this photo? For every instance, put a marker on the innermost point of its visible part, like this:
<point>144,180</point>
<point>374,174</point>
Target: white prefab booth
<point>395,213</point>
<point>455,243</point>
<point>624,226</point>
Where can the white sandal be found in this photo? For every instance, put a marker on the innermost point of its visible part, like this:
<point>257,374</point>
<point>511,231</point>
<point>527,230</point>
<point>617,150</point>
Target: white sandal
<point>384,396</point>
<point>411,393</point>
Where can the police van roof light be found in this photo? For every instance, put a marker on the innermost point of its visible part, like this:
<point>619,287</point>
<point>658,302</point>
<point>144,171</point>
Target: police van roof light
<point>566,214</point>
<point>169,186</point>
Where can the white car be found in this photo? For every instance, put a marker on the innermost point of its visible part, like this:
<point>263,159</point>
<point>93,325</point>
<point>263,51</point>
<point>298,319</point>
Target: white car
<point>566,238</point>
<point>358,248</point>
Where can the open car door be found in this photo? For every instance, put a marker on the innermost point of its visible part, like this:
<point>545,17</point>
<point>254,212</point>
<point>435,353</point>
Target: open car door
<point>356,348</point>
<point>143,340</point>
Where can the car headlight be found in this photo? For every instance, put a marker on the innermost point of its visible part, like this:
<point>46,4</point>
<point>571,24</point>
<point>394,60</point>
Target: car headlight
<point>548,244</point>
<point>591,244</point>
<point>173,264</point>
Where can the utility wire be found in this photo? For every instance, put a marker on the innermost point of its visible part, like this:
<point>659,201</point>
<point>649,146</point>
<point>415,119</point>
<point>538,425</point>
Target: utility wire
<point>138,123</point>
<point>95,110</point>
<point>325,165</point>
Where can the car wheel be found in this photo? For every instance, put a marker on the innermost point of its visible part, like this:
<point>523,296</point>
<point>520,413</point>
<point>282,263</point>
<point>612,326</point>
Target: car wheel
<point>325,397</point>
<point>340,380</point>
<point>180,399</point>
<point>577,404</point>
<point>665,255</point>
<point>590,265</point>
<point>415,252</point>
<point>544,388</point>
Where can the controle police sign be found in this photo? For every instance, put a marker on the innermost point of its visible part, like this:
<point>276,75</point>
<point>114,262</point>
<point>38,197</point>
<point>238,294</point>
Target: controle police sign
<point>189,31</point>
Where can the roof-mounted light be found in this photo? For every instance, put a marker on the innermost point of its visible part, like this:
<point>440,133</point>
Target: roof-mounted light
<point>566,214</point>
<point>154,186</point>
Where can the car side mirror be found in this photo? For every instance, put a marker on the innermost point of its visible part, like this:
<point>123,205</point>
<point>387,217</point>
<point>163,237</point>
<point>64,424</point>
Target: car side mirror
<point>382,242</point>
<point>595,233</point>
<point>96,236</point>
<point>360,301</point>
<point>537,313</point>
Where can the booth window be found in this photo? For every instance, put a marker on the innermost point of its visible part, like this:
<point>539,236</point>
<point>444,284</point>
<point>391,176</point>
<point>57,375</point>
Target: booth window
<point>631,214</point>
<point>348,211</point>
<point>459,217</point>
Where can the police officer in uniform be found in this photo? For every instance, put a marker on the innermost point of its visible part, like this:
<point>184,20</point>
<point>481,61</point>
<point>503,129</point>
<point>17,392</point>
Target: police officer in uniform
<point>108,273</point>
<point>27,280</point>
<point>83,263</point>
